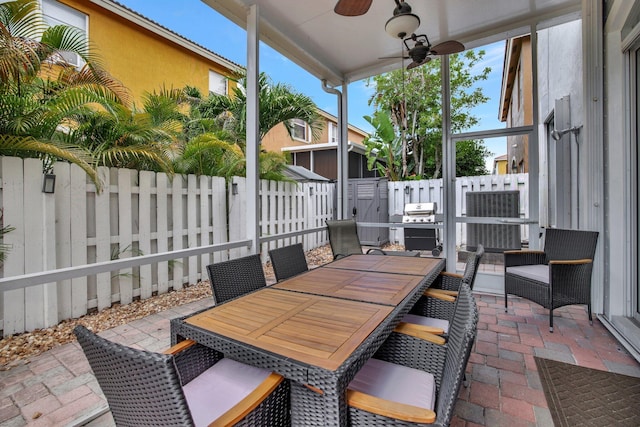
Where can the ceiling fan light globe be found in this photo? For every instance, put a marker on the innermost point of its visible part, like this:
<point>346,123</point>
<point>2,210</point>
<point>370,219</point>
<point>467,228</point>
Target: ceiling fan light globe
<point>402,24</point>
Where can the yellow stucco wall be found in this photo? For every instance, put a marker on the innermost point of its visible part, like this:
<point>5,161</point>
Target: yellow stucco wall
<point>501,167</point>
<point>278,138</point>
<point>121,44</point>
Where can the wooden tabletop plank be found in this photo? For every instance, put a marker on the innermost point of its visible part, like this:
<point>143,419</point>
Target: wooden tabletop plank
<point>420,266</point>
<point>313,329</point>
<point>378,288</point>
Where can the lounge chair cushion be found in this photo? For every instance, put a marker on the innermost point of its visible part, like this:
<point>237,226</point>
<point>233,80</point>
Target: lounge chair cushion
<point>219,388</point>
<point>427,321</point>
<point>396,383</point>
<point>537,272</point>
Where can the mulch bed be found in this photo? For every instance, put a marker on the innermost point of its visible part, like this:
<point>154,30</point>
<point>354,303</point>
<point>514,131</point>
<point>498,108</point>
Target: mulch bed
<point>16,349</point>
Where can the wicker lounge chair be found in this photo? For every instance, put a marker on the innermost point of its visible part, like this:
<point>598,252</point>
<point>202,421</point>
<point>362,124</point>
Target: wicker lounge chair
<point>343,237</point>
<point>236,277</point>
<point>189,385</point>
<point>558,276</point>
<point>415,378</point>
<point>288,261</point>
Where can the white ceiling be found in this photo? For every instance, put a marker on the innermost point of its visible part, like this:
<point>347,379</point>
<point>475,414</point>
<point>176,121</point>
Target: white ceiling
<point>338,48</point>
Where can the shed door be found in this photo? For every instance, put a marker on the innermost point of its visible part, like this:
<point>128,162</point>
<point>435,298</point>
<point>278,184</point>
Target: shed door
<point>365,199</point>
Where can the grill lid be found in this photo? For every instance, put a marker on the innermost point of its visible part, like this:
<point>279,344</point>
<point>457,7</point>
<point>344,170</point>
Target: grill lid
<point>427,208</point>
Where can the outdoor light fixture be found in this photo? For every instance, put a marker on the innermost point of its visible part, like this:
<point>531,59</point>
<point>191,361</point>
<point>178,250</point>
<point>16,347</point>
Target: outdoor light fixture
<point>234,188</point>
<point>403,22</point>
<point>558,134</point>
<point>49,183</point>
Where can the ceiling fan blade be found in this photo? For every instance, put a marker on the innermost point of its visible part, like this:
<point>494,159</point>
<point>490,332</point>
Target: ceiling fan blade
<point>446,48</point>
<point>415,64</point>
<point>394,57</point>
<point>352,7</point>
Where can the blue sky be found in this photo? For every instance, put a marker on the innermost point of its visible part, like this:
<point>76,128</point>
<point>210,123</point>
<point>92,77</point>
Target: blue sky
<point>198,22</point>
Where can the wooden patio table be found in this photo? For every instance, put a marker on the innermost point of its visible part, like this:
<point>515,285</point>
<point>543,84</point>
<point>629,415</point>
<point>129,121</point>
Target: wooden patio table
<point>360,285</point>
<point>317,340</point>
<point>419,266</point>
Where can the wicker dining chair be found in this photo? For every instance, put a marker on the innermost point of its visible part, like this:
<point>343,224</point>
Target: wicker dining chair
<point>236,277</point>
<point>557,276</point>
<point>436,308</point>
<point>415,377</point>
<point>344,240</point>
<point>188,385</point>
<point>288,261</point>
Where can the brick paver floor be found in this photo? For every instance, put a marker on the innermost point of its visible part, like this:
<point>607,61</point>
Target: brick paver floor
<point>57,388</point>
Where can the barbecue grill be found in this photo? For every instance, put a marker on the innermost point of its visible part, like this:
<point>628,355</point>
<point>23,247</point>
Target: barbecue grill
<point>419,212</point>
<point>421,238</point>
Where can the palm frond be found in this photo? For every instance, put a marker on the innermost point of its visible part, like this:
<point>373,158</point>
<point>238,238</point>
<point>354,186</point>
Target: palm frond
<point>128,156</point>
<point>99,80</point>
<point>27,146</point>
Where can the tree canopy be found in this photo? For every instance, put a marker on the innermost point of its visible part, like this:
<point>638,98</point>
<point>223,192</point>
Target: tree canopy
<point>412,101</point>
<point>52,110</point>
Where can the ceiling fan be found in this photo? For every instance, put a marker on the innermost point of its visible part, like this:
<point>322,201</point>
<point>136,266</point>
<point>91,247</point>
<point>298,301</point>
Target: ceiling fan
<point>422,51</point>
<point>352,7</point>
<point>403,22</point>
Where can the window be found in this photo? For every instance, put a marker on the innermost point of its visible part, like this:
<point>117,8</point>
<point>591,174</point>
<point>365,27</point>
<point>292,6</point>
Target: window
<point>299,129</point>
<point>56,13</point>
<point>333,132</point>
<point>217,83</point>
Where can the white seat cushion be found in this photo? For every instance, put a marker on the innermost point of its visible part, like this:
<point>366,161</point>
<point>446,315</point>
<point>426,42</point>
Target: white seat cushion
<point>427,321</point>
<point>538,272</point>
<point>219,388</point>
<point>396,383</point>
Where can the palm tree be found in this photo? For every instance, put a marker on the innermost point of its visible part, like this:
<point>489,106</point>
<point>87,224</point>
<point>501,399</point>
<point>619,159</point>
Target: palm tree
<point>150,138</point>
<point>40,95</point>
<point>206,154</point>
<point>278,103</point>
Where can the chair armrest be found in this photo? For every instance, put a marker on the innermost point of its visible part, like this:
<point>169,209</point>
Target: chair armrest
<point>571,261</point>
<point>442,294</point>
<point>526,257</point>
<point>423,332</point>
<point>249,403</point>
<point>449,274</point>
<point>389,409</point>
<point>181,346</point>
<point>524,251</point>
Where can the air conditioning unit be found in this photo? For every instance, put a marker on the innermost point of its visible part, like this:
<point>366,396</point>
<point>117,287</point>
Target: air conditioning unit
<point>494,237</point>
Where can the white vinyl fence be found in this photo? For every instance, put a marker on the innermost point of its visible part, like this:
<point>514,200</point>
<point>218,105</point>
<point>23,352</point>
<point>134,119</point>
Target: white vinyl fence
<point>137,213</point>
<point>402,192</point>
<point>145,213</point>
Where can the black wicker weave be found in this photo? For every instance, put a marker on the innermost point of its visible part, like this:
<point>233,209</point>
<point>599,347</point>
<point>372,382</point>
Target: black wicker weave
<point>288,261</point>
<point>434,307</point>
<point>446,362</point>
<point>145,388</point>
<point>236,277</point>
<point>569,257</point>
<point>344,240</point>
